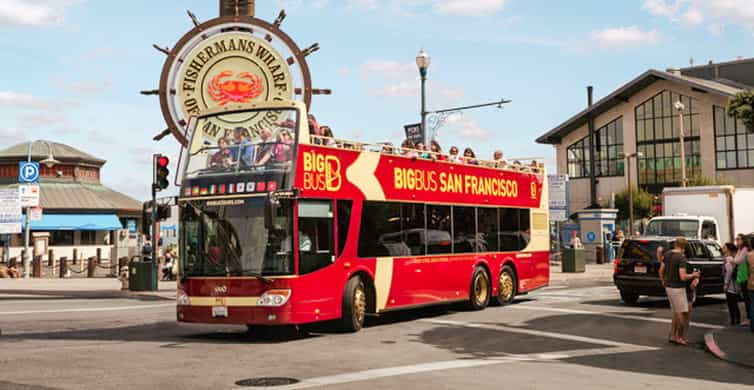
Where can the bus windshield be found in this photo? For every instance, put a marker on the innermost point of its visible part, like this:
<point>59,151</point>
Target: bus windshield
<point>230,238</point>
<point>253,142</point>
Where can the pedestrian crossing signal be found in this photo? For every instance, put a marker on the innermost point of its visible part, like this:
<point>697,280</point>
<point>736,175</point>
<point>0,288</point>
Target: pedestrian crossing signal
<point>161,172</point>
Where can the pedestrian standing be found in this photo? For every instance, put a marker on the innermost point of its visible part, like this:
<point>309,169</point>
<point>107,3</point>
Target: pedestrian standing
<point>750,289</point>
<point>743,253</point>
<point>731,288</point>
<point>576,241</point>
<point>674,276</point>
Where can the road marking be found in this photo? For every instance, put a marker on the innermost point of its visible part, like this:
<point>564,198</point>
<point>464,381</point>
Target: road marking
<point>88,309</point>
<point>611,315</point>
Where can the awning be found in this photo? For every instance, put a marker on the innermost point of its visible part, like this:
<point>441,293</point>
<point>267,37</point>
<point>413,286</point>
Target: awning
<point>75,222</point>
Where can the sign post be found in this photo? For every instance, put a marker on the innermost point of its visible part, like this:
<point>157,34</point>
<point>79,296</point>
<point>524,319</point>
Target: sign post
<point>414,133</point>
<point>10,211</point>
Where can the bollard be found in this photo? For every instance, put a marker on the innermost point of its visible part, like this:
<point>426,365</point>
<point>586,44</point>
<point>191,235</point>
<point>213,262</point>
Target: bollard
<point>50,258</point>
<point>91,266</point>
<point>63,266</point>
<point>36,267</point>
<point>99,256</point>
<point>75,255</point>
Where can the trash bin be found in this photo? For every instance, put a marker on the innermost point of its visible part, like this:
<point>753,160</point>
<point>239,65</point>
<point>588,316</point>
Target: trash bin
<point>599,252</point>
<point>573,260</point>
<point>141,276</point>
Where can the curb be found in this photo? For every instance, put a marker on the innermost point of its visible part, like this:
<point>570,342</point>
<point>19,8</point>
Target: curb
<point>712,347</point>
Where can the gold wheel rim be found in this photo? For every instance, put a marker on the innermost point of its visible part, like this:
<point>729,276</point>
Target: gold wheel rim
<point>505,286</point>
<point>481,288</point>
<point>359,304</point>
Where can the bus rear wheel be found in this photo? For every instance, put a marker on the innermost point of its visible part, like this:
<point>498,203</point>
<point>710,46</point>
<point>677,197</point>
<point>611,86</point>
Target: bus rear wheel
<point>507,286</point>
<point>354,305</point>
<point>479,296</point>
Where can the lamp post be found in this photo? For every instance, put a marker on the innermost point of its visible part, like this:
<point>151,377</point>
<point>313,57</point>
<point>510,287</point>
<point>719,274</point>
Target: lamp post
<point>422,62</point>
<point>630,191</point>
<point>49,162</point>
<point>680,107</point>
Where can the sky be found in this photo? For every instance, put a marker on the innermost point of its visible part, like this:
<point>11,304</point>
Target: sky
<point>72,69</point>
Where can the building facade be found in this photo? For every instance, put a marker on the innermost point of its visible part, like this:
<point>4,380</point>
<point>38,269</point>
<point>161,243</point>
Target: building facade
<point>78,212</point>
<point>642,117</point>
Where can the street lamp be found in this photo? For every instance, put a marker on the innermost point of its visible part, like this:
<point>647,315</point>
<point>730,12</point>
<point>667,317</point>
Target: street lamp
<point>49,162</point>
<point>630,190</point>
<point>680,107</point>
<point>422,62</point>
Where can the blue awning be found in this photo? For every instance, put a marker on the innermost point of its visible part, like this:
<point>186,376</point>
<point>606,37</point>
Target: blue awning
<point>76,222</point>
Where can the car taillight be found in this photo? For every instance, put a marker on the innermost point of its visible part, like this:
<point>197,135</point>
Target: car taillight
<point>274,298</point>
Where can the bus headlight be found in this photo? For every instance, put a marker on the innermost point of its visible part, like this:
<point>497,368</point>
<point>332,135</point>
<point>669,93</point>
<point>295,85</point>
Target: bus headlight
<point>182,299</point>
<point>274,298</point>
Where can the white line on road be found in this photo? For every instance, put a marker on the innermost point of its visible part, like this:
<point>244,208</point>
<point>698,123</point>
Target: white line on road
<point>611,315</point>
<point>88,309</point>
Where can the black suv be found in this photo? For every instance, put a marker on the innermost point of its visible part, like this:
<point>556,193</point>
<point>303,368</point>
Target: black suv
<point>636,267</point>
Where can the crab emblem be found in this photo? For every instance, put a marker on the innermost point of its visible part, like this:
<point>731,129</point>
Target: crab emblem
<point>242,89</point>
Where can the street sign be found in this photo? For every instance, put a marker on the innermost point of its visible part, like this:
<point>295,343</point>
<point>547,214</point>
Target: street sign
<point>558,201</point>
<point>35,214</point>
<point>10,211</point>
<point>414,133</point>
<point>591,236</point>
<point>28,172</point>
<point>131,225</point>
<point>29,195</point>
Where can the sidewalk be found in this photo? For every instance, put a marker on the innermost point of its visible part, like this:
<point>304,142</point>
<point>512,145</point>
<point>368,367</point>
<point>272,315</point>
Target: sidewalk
<point>85,288</point>
<point>733,344</point>
<point>594,273</point>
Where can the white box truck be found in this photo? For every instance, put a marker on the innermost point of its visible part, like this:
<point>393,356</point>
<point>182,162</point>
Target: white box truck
<point>710,211</point>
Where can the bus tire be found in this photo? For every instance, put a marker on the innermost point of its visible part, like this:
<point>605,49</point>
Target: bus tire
<point>507,286</point>
<point>354,305</point>
<point>479,294</point>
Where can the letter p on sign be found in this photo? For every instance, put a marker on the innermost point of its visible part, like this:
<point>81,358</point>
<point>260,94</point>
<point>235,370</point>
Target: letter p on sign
<point>28,172</point>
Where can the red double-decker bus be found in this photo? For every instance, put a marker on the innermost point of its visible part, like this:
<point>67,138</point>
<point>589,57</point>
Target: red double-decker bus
<point>278,226</point>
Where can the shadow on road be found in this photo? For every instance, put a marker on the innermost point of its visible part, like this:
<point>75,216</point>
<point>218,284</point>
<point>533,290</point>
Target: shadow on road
<point>654,302</point>
<point>73,294</point>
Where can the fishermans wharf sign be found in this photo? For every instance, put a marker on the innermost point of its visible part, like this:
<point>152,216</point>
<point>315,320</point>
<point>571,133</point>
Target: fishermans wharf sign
<point>230,61</point>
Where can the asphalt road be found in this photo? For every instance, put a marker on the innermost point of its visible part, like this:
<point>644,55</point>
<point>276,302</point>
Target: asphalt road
<point>564,337</point>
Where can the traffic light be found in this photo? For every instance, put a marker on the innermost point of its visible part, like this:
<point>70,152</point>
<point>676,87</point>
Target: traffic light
<point>161,172</point>
<point>163,212</point>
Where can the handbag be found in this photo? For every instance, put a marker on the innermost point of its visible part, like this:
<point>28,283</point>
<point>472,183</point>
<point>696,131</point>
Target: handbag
<point>743,272</point>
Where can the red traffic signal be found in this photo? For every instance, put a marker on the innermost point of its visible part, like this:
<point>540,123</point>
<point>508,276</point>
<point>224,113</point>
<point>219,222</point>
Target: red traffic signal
<point>160,172</point>
<point>163,161</point>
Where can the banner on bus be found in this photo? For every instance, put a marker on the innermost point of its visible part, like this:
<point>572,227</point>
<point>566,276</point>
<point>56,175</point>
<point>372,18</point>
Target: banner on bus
<point>349,174</point>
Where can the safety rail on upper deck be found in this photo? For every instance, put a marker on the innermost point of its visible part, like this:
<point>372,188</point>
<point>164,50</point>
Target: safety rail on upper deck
<point>532,164</point>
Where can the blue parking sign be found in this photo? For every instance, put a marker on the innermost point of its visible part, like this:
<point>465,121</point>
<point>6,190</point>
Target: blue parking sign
<point>28,172</point>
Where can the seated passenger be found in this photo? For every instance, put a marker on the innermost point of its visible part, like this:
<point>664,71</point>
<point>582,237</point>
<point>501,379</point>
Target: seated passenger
<point>435,148</point>
<point>454,157</point>
<point>422,150</point>
<point>283,150</point>
<point>469,157</point>
<point>498,160</point>
<point>387,148</point>
<point>265,148</point>
<point>408,149</point>
<point>242,150</point>
<point>517,165</point>
<point>223,158</point>
<point>329,139</point>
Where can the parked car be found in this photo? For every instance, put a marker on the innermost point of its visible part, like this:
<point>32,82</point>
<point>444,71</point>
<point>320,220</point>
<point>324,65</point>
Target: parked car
<point>636,267</point>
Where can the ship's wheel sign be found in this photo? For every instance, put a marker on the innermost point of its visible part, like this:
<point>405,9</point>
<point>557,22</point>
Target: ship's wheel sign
<point>232,60</point>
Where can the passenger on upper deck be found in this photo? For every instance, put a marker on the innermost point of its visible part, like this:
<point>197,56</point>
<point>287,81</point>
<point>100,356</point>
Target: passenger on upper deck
<point>283,150</point>
<point>243,149</point>
<point>408,149</point>
<point>454,157</point>
<point>223,158</point>
<point>423,150</point>
<point>498,160</point>
<point>330,139</point>
<point>470,157</point>
<point>435,148</point>
<point>265,149</point>
<point>314,128</point>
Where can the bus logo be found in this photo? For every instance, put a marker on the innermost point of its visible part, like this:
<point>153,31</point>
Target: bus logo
<point>322,172</point>
<point>533,190</point>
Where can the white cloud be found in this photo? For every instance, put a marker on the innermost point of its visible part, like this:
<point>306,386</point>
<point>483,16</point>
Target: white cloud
<point>320,3</point>
<point>402,89</point>
<point>621,37</point>
<point>466,128</point>
<point>716,13</point>
<point>31,13</point>
<point>390,69</point>
<point>22,100</point>
<point>11,136</point>
<point>89,87</point>
<point>468,7</point>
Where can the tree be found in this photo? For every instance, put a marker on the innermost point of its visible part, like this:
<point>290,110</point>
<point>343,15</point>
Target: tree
<point>699,180</point>
<point>642,204</point>
<point>741,106</point>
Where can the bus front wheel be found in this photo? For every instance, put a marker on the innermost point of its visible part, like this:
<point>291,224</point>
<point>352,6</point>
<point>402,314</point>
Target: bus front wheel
<point>479,296</point>
<point>354,305</point>
<point>506,286</point>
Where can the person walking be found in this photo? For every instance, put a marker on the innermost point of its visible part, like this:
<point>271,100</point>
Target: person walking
<point>674,276</point>
<point>743,253</point>
<point>731,288</point>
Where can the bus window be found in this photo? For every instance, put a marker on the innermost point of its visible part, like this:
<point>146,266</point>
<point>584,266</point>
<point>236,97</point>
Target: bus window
<point>509,230</point>
<point>524,228</point>
<point>380,233</point>
<point>344,222</point>
<point>464,229</point>
<point>488,228</point>
<point>438,230</point>
<point>315,235</point>
<point>413,228</point>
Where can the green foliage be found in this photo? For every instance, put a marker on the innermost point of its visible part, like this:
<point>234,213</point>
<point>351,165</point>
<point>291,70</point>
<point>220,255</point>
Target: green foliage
<point>642,204</point>
<point>741,106</point>
<point>699,180</point>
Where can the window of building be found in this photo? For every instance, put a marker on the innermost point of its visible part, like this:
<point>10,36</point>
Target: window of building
<point>61,238</point>
<point>657,138</point>
<point>608,151</point>
<point>91,237</point>
<point>734,146</point>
